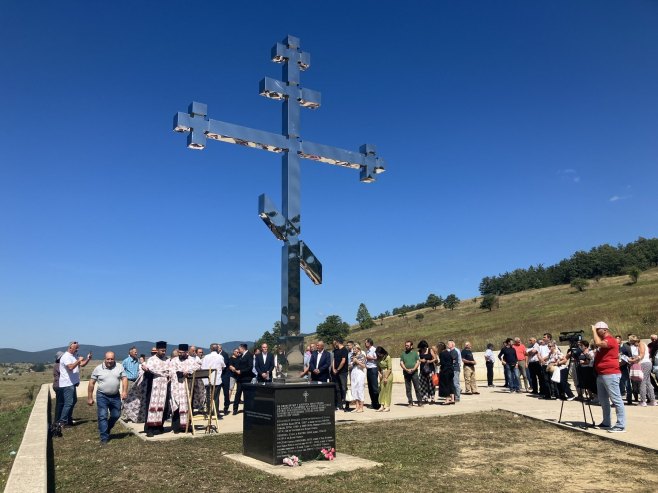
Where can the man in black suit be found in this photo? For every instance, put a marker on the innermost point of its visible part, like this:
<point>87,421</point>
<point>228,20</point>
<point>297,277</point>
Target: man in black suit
<point>320,364</point>
<point>226,380</point>
<point>243,369</point>
<point>264,364</point>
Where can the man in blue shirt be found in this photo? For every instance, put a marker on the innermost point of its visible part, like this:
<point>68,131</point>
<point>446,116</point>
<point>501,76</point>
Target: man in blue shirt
<point>131,367</point>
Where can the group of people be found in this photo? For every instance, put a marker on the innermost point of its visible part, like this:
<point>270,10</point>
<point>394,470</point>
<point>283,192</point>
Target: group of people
<point>154,389</point>
<point>428,370</point>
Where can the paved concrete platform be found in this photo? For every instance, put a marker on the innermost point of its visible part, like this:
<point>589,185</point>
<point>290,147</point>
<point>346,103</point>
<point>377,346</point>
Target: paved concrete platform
<point>342,463</point>
<point>641,428</point>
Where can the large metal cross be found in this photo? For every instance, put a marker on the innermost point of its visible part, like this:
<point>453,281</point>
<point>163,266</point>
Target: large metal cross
<point>286,225</point>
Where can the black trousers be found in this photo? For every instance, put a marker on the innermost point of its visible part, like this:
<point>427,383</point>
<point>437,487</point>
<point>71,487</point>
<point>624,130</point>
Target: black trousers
<point>340,380</point>
<point>226,390</point>
<point>490,375</point>
<point>535,375</point>
<point>239,391</point>
<point>409,380</point>
<point>549,390</point>
<point>373,386</point>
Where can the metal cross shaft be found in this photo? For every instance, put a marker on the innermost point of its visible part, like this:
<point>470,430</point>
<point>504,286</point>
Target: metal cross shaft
<point>285,225</point>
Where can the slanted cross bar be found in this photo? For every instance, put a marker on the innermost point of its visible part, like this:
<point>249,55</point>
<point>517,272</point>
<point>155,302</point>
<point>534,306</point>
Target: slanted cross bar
<point>285,225</point>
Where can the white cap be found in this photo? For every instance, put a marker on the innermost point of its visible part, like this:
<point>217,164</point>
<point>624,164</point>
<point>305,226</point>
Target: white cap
<point>601,325</point>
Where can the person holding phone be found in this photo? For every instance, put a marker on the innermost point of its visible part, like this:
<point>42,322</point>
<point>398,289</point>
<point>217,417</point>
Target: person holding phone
<point>69,379</point>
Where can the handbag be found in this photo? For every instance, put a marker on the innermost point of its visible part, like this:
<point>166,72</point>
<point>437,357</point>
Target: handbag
<point>556,375</point>
<point>637,375</point>
<point>435,379</point>
<point>348,396</point>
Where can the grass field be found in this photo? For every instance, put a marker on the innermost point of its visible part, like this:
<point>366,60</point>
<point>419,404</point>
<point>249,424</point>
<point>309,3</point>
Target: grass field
<point>626,308</point>
<point>18,389</point>
<point>489,451</point>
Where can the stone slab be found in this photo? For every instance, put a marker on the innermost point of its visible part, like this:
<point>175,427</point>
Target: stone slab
<point>342,463</point>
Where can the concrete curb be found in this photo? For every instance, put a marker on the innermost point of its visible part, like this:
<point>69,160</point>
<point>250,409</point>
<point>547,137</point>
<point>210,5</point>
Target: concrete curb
<point>29,473</point>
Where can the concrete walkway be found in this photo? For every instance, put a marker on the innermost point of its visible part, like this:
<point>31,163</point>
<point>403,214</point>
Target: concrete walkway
<point>641,421</point>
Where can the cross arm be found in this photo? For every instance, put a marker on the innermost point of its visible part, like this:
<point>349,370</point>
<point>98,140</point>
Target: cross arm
<point>366,160</point>
<point>310,264</point>
<point>273,219</point>
<point>200,128</point>
<point>250,137</point>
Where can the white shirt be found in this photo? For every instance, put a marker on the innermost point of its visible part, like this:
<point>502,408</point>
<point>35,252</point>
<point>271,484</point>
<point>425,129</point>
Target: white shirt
<point>371,363</point>
<point>68,377</point>
<point>317,362</point>
<point>489,356</point>
<point>213,361</point>
<point>544,351</point>
<point>534,358</point>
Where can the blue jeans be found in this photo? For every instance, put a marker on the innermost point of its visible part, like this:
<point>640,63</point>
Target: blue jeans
<point>625,386</point>
<point>105,403</point>
<point>458,388</point>
<point>69,398</point>
<point>607,387</point>
<point>512,374</point>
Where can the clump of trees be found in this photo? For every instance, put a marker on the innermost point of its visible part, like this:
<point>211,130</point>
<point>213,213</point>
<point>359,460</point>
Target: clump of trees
<point>332,328</point>
<point>489,302</point>
<point>363,317</point>
<point>270,338</point>
<point>601,261</point>
<point>579,284</point>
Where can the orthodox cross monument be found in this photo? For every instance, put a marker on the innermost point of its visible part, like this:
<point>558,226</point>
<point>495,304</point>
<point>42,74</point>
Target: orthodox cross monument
<point>284,224</point>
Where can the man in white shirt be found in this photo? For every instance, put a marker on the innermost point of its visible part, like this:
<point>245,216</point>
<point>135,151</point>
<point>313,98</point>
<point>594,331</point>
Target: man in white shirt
<point>542,354</point>
<point>533,365</point>
<point>69,379</point>
<point>213,361</point>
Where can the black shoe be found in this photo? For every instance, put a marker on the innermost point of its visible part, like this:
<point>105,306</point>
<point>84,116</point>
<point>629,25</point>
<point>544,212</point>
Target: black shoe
<point>149,434</point>
<point>234,413</point>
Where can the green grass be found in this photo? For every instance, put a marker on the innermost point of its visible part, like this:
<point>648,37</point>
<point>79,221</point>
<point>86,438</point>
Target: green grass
<point>17,393</point>
<point>12,426</point>
<point>489,451</point>
<point>626,308</point>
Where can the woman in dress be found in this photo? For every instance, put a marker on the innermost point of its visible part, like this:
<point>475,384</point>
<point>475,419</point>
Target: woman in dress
<point>646,392</point>
<point>385,367</point>
<point>358,376</point>
<point>426,370</point>
<point>446,375</point>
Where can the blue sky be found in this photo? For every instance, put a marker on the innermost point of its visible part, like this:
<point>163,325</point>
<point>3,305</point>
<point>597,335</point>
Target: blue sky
<point>514,132</point>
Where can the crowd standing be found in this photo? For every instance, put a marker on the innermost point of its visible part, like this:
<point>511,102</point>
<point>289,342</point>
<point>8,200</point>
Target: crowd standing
<point>606,370</point>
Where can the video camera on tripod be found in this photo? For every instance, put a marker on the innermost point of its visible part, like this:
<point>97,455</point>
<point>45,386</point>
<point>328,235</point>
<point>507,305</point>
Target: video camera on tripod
<point>581,375</point>
<point>572,336</point>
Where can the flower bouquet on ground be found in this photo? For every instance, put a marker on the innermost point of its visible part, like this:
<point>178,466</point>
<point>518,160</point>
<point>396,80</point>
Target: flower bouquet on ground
<point>292,461</point>
<point>327,454</point>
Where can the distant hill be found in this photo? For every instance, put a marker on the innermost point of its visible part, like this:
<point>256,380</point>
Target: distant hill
<point>627,308</point>
<point>10,355</point>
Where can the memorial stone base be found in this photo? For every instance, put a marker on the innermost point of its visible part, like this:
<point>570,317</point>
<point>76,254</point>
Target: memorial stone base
<point>281,420</point>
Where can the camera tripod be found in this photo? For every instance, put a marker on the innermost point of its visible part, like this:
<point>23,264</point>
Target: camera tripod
<point>586,398</point>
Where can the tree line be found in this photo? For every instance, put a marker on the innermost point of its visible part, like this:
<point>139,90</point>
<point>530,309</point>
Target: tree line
<point>601,261</point>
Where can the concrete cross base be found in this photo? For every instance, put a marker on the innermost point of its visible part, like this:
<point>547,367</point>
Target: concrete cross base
<point>342,463</point>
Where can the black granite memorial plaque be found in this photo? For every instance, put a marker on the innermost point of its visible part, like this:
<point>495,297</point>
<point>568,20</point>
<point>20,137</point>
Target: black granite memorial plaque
<point>288,419</point>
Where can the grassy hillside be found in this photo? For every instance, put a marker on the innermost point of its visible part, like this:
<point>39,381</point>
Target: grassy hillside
<point>626,308</point>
